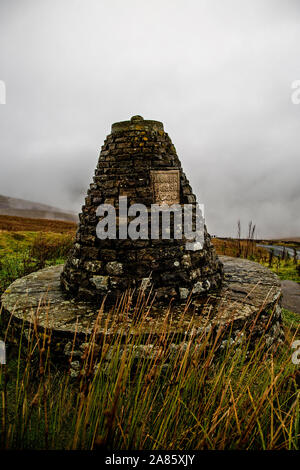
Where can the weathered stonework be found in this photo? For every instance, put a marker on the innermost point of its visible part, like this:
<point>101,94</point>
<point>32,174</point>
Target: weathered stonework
<point>210,295</point>
<point>248,303</point>
<point>138,160</point>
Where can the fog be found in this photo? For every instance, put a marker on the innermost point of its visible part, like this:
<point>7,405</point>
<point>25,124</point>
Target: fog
<point>218,74</point>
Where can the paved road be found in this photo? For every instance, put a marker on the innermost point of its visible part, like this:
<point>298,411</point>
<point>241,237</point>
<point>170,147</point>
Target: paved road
<point>291,295</point>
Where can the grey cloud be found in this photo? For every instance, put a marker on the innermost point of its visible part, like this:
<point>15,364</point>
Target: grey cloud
<point>217,73</point>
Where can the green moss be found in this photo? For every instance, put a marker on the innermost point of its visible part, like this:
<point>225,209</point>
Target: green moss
<point>290,319</point>
<point>285,270</point>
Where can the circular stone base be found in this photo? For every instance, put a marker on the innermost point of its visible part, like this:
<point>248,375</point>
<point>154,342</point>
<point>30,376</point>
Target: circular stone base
<point>250,295</point>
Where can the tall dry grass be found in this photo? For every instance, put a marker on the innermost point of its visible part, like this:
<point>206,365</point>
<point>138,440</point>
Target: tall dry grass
<point>154,392</point>
<point>19,224</point>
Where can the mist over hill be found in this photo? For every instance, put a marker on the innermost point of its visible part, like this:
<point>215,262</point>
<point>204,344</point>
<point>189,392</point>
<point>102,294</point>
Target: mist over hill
<point>23,208</point>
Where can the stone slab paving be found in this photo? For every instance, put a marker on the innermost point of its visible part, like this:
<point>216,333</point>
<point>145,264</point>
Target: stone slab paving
<point>249,290</point>
<point>291,295</point>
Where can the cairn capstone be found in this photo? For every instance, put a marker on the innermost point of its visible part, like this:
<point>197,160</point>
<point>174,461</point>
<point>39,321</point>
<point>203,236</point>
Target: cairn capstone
<point>139,161</point>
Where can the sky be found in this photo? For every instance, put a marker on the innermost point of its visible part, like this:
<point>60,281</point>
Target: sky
<point>217,73</point>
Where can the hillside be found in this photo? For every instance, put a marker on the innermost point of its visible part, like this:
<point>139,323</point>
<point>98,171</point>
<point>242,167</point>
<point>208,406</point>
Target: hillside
<point>22,208</point>
<point>22,224</point>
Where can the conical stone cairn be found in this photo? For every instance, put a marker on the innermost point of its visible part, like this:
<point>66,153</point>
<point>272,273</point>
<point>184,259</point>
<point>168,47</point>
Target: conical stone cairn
<point>138,168</point>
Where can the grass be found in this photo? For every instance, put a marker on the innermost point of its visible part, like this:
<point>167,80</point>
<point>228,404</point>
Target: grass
<point>284,268</point>
<point>193,396</point>
<point>290,319</point>
<point>238,248</point>
<point>22,224</point>
<point>24,252</point>
<point>27,245</point>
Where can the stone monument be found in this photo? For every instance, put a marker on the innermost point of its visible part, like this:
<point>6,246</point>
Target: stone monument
<point>138,161</point>
<point>138,165</point>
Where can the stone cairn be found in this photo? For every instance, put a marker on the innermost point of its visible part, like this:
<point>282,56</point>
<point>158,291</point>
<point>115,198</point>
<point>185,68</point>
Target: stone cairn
<point>137,158</point>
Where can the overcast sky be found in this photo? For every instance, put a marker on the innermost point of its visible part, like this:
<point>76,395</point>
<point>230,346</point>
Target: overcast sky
<point>217,73</point>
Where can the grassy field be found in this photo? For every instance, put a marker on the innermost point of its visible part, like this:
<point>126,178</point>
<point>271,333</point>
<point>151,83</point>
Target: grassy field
<point>30,244</point>
<point>199,395</point>
<point>285,268</point>
<point>21,224</point>
<point>206,394</point>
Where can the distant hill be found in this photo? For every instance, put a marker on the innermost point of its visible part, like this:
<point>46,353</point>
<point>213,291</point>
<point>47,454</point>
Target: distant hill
<point>28,209</point>
<point>21,224</point>
<point>289,239</point>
